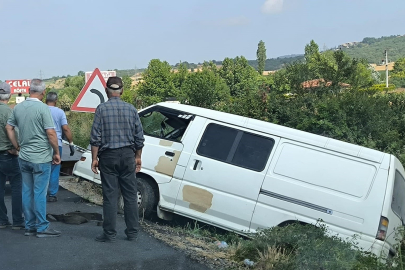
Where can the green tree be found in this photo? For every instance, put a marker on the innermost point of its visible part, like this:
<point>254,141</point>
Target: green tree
<point>80,73</point>
<point>399,68</point>
<point>398,74</point>
<point>157,83</point>
<point>312,58</point>
<point>129,90</point>
<point>238,75</point>
<point>127,82</point>
<point>180,76</point>
<point>65,102</point>
<point>261,57</point>
<point>76,81</point>
<point>204,89</point>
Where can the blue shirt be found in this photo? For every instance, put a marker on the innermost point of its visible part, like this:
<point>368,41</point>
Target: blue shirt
<point>59,119</point>
<point>116,124</point>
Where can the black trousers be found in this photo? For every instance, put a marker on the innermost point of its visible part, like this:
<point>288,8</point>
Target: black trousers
<point>9,168</point>
<point>117,167</point>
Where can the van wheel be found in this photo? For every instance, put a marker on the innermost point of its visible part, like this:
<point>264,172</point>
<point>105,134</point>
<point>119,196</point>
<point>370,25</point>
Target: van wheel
<point>146,198</point>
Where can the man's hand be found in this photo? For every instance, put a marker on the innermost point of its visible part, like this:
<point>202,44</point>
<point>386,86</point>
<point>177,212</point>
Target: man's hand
<point>13,151</point>
<point>56,159</point>
<point>72,149</point>
<point>94,166</point>
<point>138,164</point>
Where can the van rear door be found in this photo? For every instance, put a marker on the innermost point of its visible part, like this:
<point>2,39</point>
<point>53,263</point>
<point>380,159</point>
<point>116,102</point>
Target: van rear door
<point>394,203</point>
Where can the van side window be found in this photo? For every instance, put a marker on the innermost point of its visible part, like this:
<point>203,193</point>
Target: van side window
<point>253,152</point>
<point>164,123</point>
<point>235,147</point>
<point>217,142</point>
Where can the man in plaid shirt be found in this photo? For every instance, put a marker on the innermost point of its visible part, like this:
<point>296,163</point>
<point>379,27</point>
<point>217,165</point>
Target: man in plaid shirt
<point>116,147</point>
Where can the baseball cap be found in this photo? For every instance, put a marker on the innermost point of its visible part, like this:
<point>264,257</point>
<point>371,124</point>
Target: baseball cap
<point>114,83</point>
<point>5,88</point>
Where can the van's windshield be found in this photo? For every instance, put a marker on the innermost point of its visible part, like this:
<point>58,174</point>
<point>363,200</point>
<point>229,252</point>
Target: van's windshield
<point>398,198</point>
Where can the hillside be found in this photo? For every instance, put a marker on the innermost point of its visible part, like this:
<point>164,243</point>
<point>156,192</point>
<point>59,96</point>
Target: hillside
<point>372,49</point>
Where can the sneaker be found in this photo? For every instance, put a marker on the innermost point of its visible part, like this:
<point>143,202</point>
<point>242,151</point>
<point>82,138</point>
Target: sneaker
<point>104,238</point>
<point>30,232</point>
<point>5,225</point>
<point>48,233</point>
<point>18,227</point>
<point>52,199</point>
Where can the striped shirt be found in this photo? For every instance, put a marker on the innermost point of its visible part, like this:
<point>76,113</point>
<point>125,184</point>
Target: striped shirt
<point>116,124</point>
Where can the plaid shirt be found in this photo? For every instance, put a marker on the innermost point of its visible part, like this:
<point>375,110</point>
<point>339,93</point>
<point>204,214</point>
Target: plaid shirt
<point>116,124</point>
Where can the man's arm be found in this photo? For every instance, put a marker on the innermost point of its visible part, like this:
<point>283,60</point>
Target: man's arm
<point>53,140</point>
<point>94,163</point>
<point>68,133</point>
<point>138,160</point>
<point>11,136</point>
<point>95,140</point>
<point>139,139</point>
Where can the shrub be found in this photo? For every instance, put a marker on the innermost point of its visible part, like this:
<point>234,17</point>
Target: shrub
<point>297,246</point>
<point>80,125</point>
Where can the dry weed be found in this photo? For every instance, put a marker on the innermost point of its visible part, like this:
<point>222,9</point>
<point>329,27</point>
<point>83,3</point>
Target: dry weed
<point>272,258</point>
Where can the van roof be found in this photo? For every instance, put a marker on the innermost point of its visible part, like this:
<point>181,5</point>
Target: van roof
<point>281,131</point>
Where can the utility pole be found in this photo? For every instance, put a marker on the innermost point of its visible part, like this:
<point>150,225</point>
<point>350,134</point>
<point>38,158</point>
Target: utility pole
<point>386,68</point>
<point>40,74</point>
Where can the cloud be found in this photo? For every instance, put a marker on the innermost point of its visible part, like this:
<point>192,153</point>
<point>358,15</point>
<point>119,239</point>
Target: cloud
<point>272,6</point>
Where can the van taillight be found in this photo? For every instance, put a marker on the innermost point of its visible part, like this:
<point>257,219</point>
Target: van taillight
<point>82,158</point>
<point>382,229</point>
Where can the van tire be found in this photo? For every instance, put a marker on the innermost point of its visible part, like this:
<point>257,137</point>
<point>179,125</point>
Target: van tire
<point>147,199</point>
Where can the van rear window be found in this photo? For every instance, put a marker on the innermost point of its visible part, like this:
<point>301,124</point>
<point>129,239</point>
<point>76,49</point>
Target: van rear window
<point>398,197</point>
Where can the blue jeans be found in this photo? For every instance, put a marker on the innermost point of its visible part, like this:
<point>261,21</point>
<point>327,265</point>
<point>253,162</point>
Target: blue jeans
<point>54,181</point>
<point>10,170</point>
<point>35,179</point>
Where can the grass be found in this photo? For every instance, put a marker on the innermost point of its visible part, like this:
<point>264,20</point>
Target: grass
<point>294,246</point>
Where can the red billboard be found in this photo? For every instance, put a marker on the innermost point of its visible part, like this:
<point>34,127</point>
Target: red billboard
<point>19,86</point>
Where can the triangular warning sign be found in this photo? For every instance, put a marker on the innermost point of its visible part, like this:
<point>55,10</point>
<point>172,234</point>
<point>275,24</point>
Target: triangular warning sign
<point>92,94</point>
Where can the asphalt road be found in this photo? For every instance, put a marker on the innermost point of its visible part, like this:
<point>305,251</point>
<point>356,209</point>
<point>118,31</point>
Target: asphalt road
<point>76,248</point>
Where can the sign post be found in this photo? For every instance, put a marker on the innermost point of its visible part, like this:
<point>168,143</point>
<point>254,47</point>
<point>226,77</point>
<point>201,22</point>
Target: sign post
<point>92,94</point>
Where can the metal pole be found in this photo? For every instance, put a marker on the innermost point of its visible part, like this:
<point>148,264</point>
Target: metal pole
<point>386,68</point>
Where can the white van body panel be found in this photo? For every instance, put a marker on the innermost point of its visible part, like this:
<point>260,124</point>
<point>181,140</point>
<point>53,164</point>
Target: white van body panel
<point>225,195</point>
<point>307,178</point>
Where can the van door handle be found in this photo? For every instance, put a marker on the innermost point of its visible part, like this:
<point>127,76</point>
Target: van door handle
<point>170,154</point>
<point>196,165</point>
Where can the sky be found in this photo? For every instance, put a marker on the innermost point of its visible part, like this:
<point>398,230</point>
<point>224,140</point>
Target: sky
<point>46,38</point>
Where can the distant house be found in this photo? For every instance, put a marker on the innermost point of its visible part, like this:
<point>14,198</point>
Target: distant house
<point>349,44</point>
<point>320,82</point>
